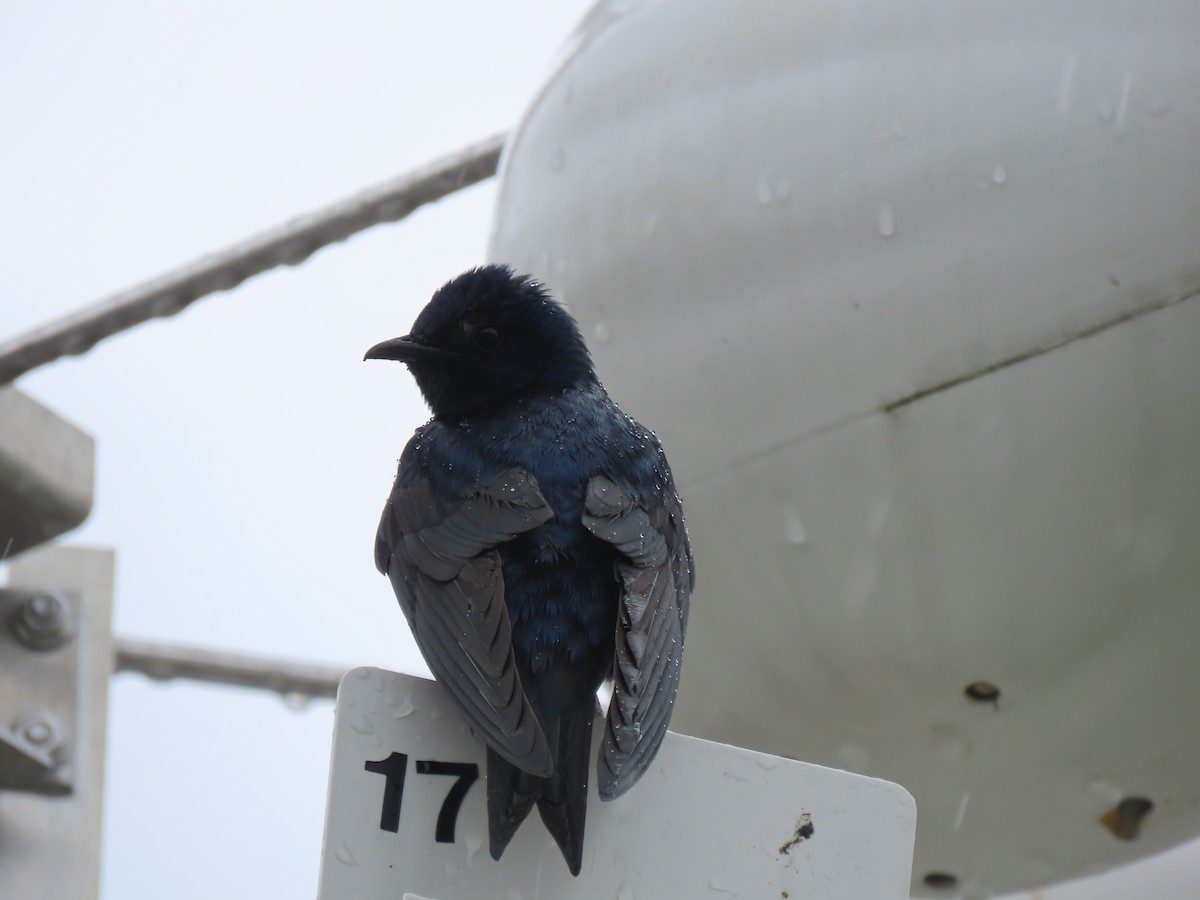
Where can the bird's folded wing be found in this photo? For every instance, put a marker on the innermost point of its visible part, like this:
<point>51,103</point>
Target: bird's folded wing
<point>440,556</point>
<point>655,569</point>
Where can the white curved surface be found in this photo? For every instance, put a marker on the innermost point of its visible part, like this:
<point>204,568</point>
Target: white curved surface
<point>907,291</point>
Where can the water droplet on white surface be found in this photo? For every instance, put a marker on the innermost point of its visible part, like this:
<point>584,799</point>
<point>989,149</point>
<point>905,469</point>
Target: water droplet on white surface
<point>961,812</point>
<point>601,332</point>
<point>999,174</point>
<point>763,190</point>
<point>361,724</point>
<point>1123,104</point>
<point>886,219</point>
<point>344,855</point>
<point>718,887</point>
<point>474,844</point>
<point>793,526</point>
<point>405,707</point>
<point>1105,792</point>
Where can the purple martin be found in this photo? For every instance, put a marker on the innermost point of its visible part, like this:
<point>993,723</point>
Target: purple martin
<point>536,543</point>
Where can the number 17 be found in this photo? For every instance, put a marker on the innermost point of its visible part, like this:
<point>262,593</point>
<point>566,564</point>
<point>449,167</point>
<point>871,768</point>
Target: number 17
<point>394,769</point>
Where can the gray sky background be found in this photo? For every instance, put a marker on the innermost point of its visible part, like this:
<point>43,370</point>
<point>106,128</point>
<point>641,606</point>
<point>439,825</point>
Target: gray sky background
<point>244,450</point>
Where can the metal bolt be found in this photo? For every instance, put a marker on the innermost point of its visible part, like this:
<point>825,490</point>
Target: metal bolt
<point>41,730</point>
<point>37,732</point>
<point>43,621</point>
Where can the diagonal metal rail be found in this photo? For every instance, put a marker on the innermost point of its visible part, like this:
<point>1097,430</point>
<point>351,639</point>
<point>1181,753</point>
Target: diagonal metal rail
<point>286,245</point>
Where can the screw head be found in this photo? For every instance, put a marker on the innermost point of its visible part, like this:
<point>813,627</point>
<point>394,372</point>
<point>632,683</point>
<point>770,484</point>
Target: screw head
<point>40,729</point>
<point>43,621</point>
<point>38,732</point>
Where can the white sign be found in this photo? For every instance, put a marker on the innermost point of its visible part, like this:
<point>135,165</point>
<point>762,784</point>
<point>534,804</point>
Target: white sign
<point>406,818</point>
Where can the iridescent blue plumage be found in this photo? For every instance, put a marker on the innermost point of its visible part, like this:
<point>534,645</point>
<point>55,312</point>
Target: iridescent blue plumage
<point>536,543</point>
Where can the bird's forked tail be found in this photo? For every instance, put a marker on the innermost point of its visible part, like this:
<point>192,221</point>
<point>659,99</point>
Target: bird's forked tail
<point>561,798</point>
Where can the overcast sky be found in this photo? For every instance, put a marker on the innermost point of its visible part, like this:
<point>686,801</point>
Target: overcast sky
<point>244,450</point>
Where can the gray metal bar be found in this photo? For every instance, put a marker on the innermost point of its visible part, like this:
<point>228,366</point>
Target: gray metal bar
<point>288,244</point>
<point>163,662</point>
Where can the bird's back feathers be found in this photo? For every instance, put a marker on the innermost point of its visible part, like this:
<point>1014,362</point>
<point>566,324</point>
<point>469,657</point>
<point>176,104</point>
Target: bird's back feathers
<point>536,543</point>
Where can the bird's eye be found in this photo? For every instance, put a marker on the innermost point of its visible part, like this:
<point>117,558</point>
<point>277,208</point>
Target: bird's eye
<point>487,337</point>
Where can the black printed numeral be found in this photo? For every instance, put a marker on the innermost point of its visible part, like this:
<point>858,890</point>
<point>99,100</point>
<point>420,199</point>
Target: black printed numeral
<point>467,774</point>
<point>394,769</point>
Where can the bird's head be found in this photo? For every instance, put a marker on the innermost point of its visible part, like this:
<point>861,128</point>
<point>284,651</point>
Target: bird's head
<point>488,335</point>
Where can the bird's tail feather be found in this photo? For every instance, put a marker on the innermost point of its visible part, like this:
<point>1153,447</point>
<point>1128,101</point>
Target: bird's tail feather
<point>561,798</point>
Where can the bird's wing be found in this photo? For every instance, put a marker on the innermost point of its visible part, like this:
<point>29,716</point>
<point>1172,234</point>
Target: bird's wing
<point>440,556</point>
<point>655,569</point>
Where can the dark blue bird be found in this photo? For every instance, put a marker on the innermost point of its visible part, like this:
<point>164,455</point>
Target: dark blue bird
<point>536,543</point>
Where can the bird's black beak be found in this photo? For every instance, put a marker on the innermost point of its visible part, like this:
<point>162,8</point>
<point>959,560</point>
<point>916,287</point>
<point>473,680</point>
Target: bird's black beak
<point>404,349</point>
